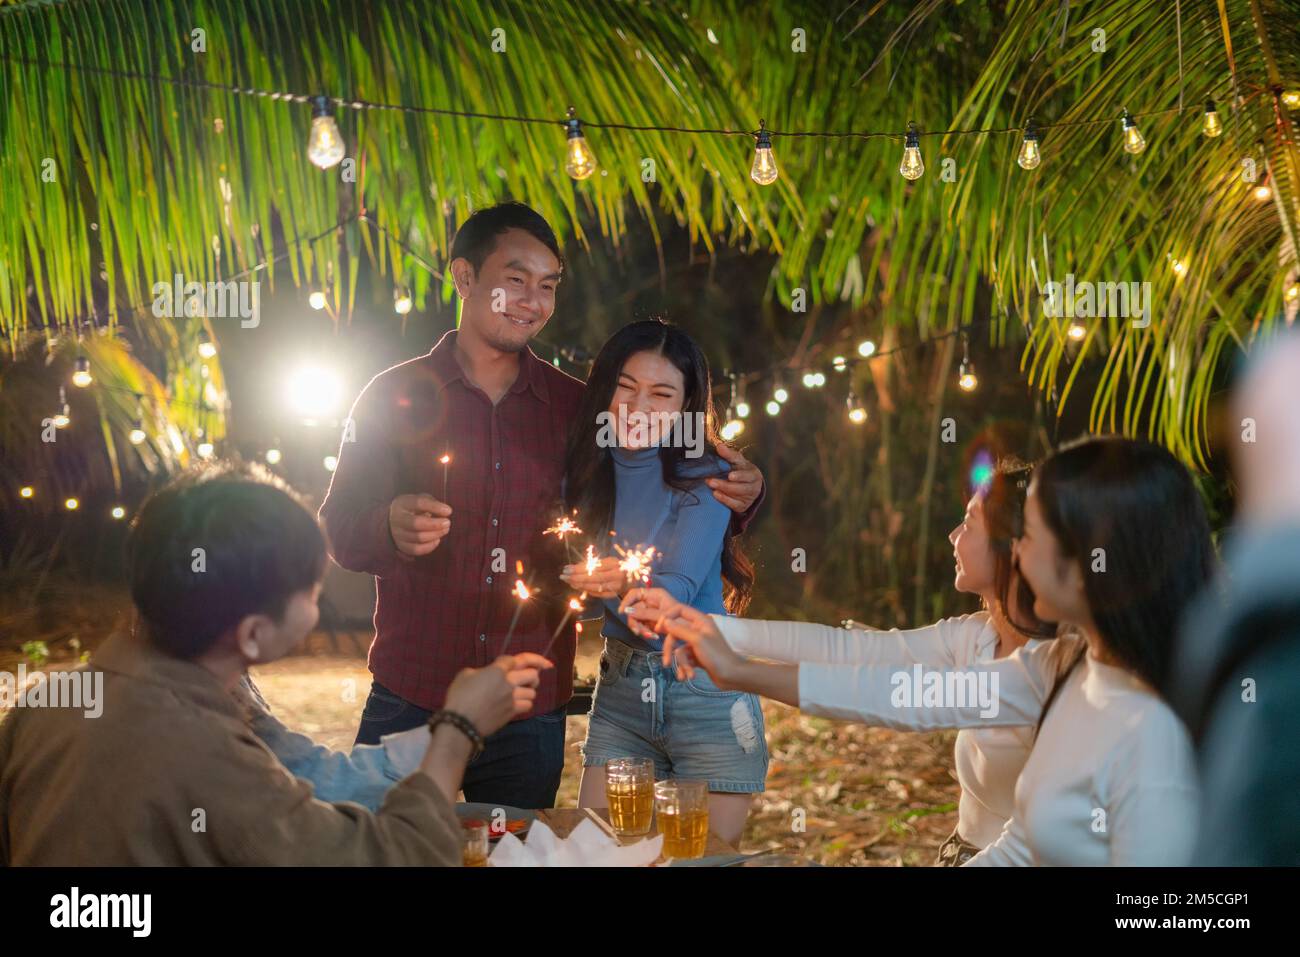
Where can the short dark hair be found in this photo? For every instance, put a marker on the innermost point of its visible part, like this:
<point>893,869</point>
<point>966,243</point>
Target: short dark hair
<point>260,544</point>
<point>477,236</point>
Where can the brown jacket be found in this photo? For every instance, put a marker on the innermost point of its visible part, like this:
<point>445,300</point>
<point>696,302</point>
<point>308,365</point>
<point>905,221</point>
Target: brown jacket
<point>170,774</point>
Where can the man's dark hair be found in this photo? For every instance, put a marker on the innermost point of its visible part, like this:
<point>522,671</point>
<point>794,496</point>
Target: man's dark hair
<point>260,545</point>
<point>477,236</point>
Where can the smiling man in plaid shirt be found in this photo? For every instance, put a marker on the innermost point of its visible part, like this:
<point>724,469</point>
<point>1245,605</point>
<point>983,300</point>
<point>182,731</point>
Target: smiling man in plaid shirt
<point>446,570</point>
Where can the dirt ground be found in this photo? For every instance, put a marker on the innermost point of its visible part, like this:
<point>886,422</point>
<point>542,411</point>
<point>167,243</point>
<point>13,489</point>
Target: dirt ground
<point>836,793</point>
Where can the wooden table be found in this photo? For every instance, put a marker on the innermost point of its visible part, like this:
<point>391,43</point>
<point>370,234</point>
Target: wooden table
<point>562,820</point>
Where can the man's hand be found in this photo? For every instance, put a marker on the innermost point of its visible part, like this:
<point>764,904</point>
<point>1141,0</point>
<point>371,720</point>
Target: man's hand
<point>491,696</point>
<point>740,488</point>
<point>418,523</point>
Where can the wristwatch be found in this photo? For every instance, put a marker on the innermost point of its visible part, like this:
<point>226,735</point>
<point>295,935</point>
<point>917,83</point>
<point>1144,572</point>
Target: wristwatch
<point>462,724</point>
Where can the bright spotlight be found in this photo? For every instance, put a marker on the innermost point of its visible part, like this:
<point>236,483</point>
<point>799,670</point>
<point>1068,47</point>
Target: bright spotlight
<point>314,392</point>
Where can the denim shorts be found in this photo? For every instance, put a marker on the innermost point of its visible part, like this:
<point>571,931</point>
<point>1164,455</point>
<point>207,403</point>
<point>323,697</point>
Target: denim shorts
<point>690,728</point>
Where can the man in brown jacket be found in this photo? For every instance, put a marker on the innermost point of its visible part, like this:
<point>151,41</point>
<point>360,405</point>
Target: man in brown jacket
<point>225,570</point>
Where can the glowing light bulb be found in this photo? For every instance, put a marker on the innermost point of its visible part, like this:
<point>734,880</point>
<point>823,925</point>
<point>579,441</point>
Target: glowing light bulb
<point>26,491</point>
<point>63,417</point>
<point>1077,331</point>
<point>331,463</point>
<point>866,348</point>
<point>317,300</point>
<point>966,378</point>
<point>1291,99</point>
<point>912,166</point>
<point>1263,192</point>
<point>71,504</point>
<point>205,450</point>
<point>81,376</point>
<point>857,413</point>
<point>137,434</point>
<point>764,171</point>
<point>839,363</point>
<point>325,143</point>
<point>207,348</point>
<point>1292,292</point>
<point>1133,141</point>
<point>1179,267</point>
<point>773,407</point>
<point>273,456</point>
<point>809,380</point>
<point>781,395</point>
<point>742,409</point>
<point>118,512</point>
<point>580,161</point>
<point>401,300</point>
<point>1213,127</point>
<point>732,429</point>
<point>1030,156</point>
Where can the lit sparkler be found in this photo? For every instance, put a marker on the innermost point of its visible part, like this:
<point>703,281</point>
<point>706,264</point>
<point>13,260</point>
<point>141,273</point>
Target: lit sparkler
<point>562,529</point>
<point>635,563</point>
<point>523,593</point>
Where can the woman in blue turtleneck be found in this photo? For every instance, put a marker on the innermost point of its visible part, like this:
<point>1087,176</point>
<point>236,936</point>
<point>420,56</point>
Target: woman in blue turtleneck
<point>641,448</point>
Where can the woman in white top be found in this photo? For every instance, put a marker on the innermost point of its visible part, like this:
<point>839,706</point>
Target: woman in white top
<point>988,759</point>
<point>1115,546</point>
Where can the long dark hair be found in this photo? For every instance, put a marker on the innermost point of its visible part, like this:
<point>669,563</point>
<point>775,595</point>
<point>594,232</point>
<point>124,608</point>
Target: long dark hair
<point>1003,504</point>
<point>1138,504</point>
<point>589,468</point>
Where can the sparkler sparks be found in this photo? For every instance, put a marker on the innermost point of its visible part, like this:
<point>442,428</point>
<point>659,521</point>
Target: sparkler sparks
<point>523,593</point>
<point>562,529</point>
<point>635,563</point>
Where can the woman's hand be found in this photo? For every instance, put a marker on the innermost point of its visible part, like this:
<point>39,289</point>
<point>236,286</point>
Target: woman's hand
<point>691,637</point>
<point>607,581</point>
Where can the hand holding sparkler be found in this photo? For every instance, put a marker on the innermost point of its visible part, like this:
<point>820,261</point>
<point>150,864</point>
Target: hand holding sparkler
<point>418,523</point>
<point>523,592</point>
<point>601,577</point>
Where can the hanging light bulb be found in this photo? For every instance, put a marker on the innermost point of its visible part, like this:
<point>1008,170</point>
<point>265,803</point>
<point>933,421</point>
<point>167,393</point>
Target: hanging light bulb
<point>732,429</point>
<point>81,376</point>
<point>272,456</point>
<point>26,491</point>
<point>1291,99</point>
<point>742,409</point>
<point>1212,127</point>
<point>325,144</point>
<point>331,463</point>
<point>62,417</point>
<point>118,512</point>
<point>1292,292</point>
<point>205,450</point>
<point>857,412</point>
<point>401,300</point>
<point>773,407</point>
<point>1030,156</point>
<point>317,299</point>
<point>70,504</point>
<point>1263,192</point>
<point>137,434</point>
<point>580,161</point>
<point>809,380</point>
<point>912,167</point>
<point>207,348</point>
<point>966,378</point>
<point>839,364</point>
<point>764,171</point>
<point>1179,267</point>
<point>1077,331</point>
<point>866,348</point>
<point>1133,141</point>
<point>779,393</point>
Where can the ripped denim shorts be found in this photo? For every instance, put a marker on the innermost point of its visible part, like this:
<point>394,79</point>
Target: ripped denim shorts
<point>690,729</point>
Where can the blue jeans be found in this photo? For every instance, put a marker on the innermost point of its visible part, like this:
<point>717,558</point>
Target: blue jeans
<point>520,765</point>
<point>690,729</point>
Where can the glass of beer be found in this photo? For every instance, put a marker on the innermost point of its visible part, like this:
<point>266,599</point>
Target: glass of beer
<point>474,843</point>
<point>683,809</point>
<point>629,787</point>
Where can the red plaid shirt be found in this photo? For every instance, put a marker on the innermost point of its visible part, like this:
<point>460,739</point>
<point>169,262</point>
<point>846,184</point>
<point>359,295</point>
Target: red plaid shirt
<point>451,609</point>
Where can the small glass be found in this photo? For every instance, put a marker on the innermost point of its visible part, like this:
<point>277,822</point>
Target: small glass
<point>474,844</point>
<point>629,789</point>
<point>683,810</point>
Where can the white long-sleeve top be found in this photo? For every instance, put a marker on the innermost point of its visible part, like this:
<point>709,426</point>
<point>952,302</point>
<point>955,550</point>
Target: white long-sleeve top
<point>1111,779</point>
<point>988,759</point>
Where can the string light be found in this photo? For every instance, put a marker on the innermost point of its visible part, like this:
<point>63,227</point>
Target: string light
<point>325,143</point>
<point>205,449</point>
<point>81,376</point>
<point>780,394</point>
<point>316,300</point>
<point>580,161</point>
<point>137,434</point>
<point>773,407</point>
<point>63,417</point>
<point>742,409</point>
<point>1263,192</point>
<point>26,491</point>
<point>1030,156</point>
<point>273,456</point>
<point>71,504</point>
<point>1291,99</point>
<point>118,512</point>
<point>839,364</point>
<point>732,429</point>
<point>331,463</point>
<point>857,413</point>
<point>866,348</point>
<point>1212,127</point>
<point>1292,292</point>
<point>967,380</point>
<point>207,348</point>
<point>912,166</point>
<point>1133,141</point>
<point>764,171</point>
<point>1077,331</point>
<point>1179,267</point>
<point>401,300</point>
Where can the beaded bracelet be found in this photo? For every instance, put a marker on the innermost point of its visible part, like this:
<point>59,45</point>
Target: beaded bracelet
<point>462,724</point>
